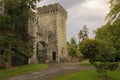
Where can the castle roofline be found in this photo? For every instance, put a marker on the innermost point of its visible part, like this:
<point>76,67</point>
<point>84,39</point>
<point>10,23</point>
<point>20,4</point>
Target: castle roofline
<point>51,9</point>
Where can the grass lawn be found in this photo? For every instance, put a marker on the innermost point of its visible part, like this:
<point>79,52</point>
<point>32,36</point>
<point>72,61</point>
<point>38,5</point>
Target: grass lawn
<point>4,73</point>
<point>88,75</point>
<point>115,74</point>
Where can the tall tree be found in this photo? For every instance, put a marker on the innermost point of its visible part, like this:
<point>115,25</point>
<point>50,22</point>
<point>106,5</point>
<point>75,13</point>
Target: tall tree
<point>15,24</point>
<point>114,13</point>
<point>110,33</point>
<point>7,39</point>
<point>83,33</point>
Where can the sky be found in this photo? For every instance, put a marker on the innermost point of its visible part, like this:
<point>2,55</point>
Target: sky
<point>82,12</point>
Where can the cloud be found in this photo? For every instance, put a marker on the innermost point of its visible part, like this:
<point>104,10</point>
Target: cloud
<point>65,3</point>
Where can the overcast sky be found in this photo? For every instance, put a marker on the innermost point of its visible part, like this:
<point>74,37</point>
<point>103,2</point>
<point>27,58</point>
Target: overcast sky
<point>82,12</point>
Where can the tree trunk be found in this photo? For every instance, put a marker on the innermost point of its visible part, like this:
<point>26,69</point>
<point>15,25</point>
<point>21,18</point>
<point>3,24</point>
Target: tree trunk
<point>105,76</point>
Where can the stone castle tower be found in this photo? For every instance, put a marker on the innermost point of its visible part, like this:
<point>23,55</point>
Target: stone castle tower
<point>48,29</point>
<point>1,7</point>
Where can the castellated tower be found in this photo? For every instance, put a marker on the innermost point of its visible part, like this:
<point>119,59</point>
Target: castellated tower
<point>50,34</point>
<point>1,7</point>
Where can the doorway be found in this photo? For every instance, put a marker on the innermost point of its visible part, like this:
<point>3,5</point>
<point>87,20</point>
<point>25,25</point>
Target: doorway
<point>53,56</point>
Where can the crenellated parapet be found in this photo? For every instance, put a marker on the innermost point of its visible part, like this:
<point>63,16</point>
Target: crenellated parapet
<point>52,9</point>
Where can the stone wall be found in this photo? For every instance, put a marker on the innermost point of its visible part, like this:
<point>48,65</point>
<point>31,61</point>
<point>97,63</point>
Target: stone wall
<point>33,32</point>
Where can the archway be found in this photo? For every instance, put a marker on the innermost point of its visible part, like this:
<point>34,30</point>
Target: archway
<point>41,52</point>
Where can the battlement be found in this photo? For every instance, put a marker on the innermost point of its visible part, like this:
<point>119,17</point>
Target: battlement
<point>53,8</point>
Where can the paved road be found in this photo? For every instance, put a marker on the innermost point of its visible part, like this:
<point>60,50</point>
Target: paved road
<point>53,71</point>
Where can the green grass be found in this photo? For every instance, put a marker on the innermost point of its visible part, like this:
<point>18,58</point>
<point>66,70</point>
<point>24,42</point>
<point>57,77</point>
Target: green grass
<point>21,70</point>
<point>88,75</point>
<point>115,74</point>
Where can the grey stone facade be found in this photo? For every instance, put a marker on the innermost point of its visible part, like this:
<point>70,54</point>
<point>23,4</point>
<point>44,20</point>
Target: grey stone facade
<point>48,29</point>
<point>1,7</point>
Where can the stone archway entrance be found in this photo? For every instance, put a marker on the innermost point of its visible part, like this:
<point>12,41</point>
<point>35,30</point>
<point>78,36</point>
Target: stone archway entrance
<point>41,52</point>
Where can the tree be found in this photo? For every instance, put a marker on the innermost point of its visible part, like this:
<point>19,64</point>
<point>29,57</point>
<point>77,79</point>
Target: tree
<point>73,41</point>
<point>105,59</point>
<point>73,48</point>
<point>89,48</point>
<point>110,33</point>
<point>7,39</point>
<point>114,13</point>
<point>15,40</point>
<point>83,34</point>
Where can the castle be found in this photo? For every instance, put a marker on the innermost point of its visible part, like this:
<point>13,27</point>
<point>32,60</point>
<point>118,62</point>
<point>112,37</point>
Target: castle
<point>48,30</point>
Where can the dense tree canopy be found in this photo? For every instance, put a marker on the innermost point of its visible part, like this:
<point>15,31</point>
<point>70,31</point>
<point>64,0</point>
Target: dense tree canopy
<point>90,48</point>
<point>110,33</point>
<point>73,48</point>
<point>14,38</point>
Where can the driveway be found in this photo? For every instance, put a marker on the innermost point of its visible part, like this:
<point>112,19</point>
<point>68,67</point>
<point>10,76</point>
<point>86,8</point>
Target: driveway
<point>53,71</point>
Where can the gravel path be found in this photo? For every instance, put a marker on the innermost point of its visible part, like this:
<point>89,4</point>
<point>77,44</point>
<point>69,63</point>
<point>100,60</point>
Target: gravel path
<point>53,71</point>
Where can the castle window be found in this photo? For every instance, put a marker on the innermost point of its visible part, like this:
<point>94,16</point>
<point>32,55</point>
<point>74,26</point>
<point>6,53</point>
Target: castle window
<point>32,19</point>
<point>37,22</point>
<point>37,33</point>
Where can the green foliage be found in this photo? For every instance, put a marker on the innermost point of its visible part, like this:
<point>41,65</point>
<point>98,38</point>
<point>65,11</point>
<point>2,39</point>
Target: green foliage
<point>114,13</point>
<point>73,41</point>
<point>73,49</point>
<point>5,23</point>
<point>89,48</point>
<point>83,34</point>
<point>105,58</point>
<point>104,67</point>
<point>14,38</point>
<point>110,34</point>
